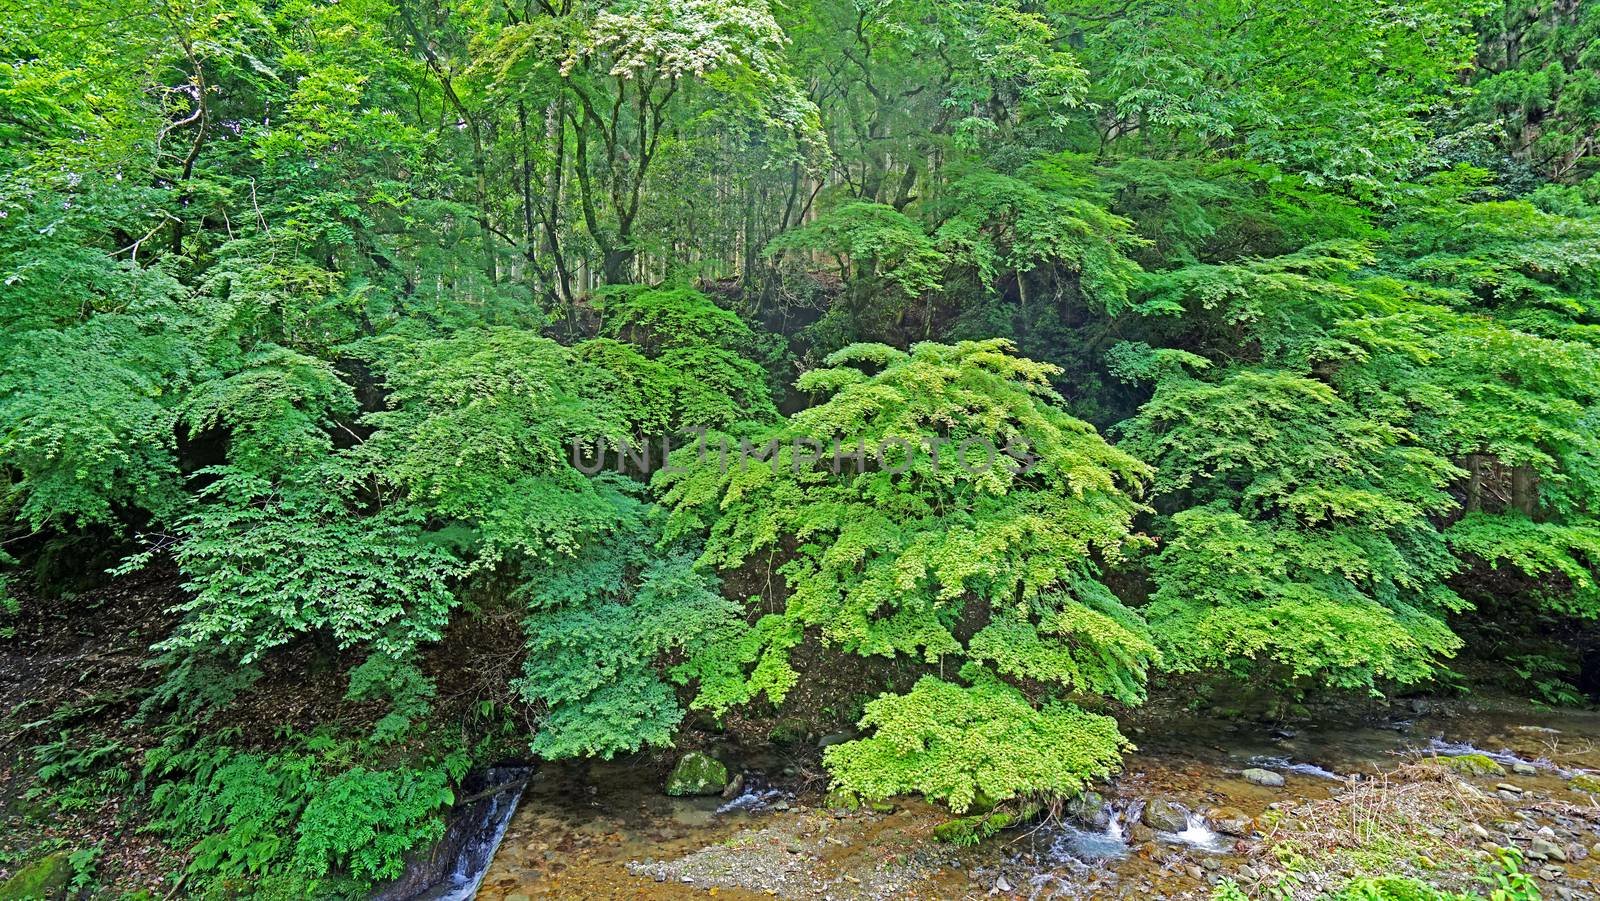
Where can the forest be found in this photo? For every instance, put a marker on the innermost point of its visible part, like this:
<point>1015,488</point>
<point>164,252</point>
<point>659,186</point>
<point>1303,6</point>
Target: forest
<point>391,389</point>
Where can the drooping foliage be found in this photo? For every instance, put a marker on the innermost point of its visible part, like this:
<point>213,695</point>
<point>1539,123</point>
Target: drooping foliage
<point>533,374</point>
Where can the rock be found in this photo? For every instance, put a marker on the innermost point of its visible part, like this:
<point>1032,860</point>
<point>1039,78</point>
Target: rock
<point>1001,885</point>
<point>697,773</point>
<point>1258,776</point>
<point>1524,769</point>
<point>842,799</point>
<point>1474,765</point>
<point>966,831</point>
<point>734,788</point>
<point>1230,821</point>
<point>780,805</point>
<point>1194,872</point>
<point>1508,787</point>
<point>1504,795</point>
<point>835,738</point>
<point>788,731</point>
<point>1585,782</point>
<point>1165,816</point>
<point>881,806</point>
<point>1478,832</point>
<point>46,878</point>
<point>1545,849</point>
<point>1139,833</point>
<point>1248,873</point>
<point>1489,847</point>
<point>1089,808</point>
<point>1551,873</point>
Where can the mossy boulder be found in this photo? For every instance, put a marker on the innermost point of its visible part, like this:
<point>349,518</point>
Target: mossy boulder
<point>1474,765</point>
<point>1585,782</point>
<point>46,878</point>
<point>964,831</point>
<point>697,773</point>
<point>842,799</point>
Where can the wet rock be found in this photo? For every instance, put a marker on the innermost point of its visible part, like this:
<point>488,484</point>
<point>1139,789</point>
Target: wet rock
<point>1165,816</point>
<point>1524,769</point>
<point>1230,821</point>
<point>1508,787</point>
<point>1474,765</point>
<point>1544,849</point>
<point>697,773</point>
<point>1585,782</point>
<point>1258,776</point>
<point>835,738</point>
<point>1139,833</point>
<point>1089,808</point>
<point>734,788</point>
<point>1504,795</point>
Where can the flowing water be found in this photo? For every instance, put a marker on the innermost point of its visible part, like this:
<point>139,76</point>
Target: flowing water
<point>606,830</point>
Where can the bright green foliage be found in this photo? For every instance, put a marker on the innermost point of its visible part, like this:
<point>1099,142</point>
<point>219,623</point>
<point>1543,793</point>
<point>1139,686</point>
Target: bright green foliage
<point>956,742</point>
<point>1303,529</point>
<point>705,370</point>
<point>88,418</point>
<point>1538,549</point>
<point>1047,217</point>
<point>303,816</point>
<point>872,242</point>
<point>267,561</point>
<point>888,559</point>
<point>480,430</point>
<point>598,622</point>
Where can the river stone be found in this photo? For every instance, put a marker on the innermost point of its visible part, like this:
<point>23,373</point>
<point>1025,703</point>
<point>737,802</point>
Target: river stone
<point>1231,821</point>
<point>697,773</point>
<point>1508,787</point>
<point>1089,808</point>
<point>1258,776</point>
<point>45,879</point>
<point>1544,849</point>
<point>1524,769</point>
<point>1585,782</point>
<point>1165,816</point>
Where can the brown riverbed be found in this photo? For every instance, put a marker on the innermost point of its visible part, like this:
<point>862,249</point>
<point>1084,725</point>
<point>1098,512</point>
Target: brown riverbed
<point>605,830</point>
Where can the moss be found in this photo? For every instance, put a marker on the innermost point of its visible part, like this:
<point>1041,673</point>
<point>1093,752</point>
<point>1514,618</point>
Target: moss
<point>1474,765</point>
<point>966,831</point>
<point>842,799</point>
<point>46,878</point>
<point>788,732</point>
<point>697,773</point>
<point>1585,782</point>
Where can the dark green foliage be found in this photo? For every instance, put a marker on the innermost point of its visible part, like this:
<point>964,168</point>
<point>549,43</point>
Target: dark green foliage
<point>598,622</point>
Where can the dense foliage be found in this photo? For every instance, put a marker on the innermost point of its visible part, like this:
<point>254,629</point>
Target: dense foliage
<point>1008,355</point>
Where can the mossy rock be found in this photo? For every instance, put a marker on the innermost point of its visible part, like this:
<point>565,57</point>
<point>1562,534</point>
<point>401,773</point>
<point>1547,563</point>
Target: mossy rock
<point>697,773</point>
<point>789,732</point>
<point>1474,765</point>
<point>881,806</point>
<point>1585,782</point>
<point>965,831</point>
<point>45,878</point>
<point>842,799</point>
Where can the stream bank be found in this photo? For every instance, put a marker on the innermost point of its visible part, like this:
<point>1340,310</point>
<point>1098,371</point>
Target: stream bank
<point>1427,790</point>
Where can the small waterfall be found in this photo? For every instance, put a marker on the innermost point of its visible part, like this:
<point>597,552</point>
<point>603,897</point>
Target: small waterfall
<point>1078,845</point>
<point>1197,834</point>
<point>461,858</point>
